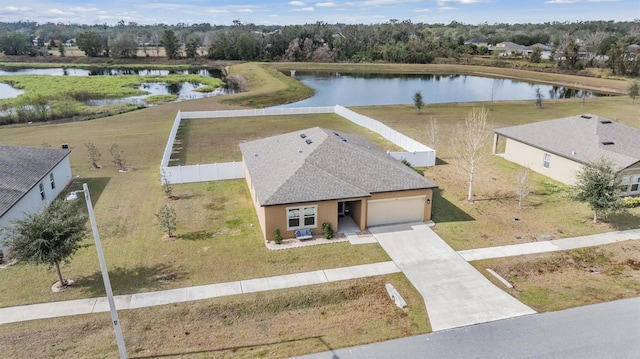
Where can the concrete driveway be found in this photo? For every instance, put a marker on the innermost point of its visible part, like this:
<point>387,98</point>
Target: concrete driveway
<point>455,293</point>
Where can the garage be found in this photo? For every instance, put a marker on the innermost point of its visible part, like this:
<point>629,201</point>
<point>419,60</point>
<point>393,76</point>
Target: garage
<point>395,210</point>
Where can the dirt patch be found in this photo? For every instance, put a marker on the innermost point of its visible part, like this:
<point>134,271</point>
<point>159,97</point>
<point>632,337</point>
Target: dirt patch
<point>555,281</point>
<point>274,324</point>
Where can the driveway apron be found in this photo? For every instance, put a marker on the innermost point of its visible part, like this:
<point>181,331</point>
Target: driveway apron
<point>455,293</point>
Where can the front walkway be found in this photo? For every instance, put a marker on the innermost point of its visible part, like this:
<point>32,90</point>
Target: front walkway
<point>455,293</point>
<point>549,246</point>
<point>150,299</point>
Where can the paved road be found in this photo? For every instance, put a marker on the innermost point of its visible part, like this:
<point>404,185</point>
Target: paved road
<point>455,293</point>
<point>608,330</point>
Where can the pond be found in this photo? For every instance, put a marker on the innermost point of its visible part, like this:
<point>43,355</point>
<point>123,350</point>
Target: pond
<point>6,91</point>
<point>375,89</point>
<point>184,91</point>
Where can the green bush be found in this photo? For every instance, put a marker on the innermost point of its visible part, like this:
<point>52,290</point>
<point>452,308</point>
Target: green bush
<point>277,237</point>
<point>631,202</point>
<point>1,256</point>
<point>328,230</point>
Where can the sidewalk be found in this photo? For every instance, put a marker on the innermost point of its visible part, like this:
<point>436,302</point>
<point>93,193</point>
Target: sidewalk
<point>149,299</point>
<point>549,246</point>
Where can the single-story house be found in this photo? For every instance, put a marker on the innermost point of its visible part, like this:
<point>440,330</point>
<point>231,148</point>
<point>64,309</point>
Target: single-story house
<point>30,178</point>
<point>560,148</point>
<point>302,179</point>
<point>508,48</point>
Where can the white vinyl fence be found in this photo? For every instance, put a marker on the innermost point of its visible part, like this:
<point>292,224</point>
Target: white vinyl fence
<point>417,154</point>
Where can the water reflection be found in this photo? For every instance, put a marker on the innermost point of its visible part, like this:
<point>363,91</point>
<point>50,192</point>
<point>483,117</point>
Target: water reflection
<point>184,91</point>
<point>350,89</point>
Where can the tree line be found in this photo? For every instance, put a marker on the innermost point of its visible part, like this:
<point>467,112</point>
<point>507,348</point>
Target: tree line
<point>575,44</point>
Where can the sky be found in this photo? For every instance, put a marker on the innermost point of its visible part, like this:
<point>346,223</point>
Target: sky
<point>286,12</point>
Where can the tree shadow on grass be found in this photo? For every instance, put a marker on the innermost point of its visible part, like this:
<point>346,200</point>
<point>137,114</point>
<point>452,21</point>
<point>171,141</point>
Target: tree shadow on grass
<point>236,348</point>
<point>130,280</point>
<point>623,220</point>
<point>445,211</point>
<point>196,235</point>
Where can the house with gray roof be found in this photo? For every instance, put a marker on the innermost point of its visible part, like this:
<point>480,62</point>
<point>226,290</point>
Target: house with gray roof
<point>560,148</point>
<point>302,179</point>
<point>30,178</point>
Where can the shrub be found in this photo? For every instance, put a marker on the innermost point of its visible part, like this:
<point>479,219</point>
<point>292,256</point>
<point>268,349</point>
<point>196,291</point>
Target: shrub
<point>1,256</point>
<point>631,202</point>
<point>277,237</point>
<point>328,230</point>
<point>410,165</point>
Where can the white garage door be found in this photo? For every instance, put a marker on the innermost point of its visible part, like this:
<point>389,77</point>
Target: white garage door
<point>395,210</point>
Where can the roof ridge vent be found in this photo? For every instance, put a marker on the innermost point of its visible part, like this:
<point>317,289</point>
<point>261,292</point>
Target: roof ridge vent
<point>606,143</point>
<point>605,122</point>
<point>586,116</point>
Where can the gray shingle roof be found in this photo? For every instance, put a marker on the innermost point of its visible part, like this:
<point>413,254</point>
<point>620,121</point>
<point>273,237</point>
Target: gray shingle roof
<point>22,168</point>
<point>581,139</point>
<point>285,169</point>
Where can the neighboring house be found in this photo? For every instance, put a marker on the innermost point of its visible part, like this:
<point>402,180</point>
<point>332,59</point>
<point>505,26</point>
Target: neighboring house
<point>305,178</point>
<point>30,178</point>
<point>545,50</point>
<point>477,42</point>
<point>560,148</point>
<point>508,48</point>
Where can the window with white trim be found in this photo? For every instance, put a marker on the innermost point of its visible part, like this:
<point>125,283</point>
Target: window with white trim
<point>42,194</point>
<point>634,186</point>
<point>53,182</point>
<point>547,160</point>
<point>302,217</point>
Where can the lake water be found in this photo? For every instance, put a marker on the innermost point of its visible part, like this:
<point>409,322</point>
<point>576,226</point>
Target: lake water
<point>369,89</point>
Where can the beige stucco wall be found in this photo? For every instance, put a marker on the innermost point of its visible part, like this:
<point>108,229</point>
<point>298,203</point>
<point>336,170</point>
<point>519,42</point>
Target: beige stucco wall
<point>259,209</point>
<point>276,217</point>
<point>560,168</point>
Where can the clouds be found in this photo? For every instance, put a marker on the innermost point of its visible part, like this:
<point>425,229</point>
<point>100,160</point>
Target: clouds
<point>290,12</point>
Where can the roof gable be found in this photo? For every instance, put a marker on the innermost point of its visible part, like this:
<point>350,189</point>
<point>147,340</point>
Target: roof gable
<point>21,168</point>
<point>583,138</point>
<point>286,169</point>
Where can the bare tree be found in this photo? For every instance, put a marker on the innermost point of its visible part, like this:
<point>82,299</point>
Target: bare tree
<point>523,188</point>
<point>118,158</point>
<point>470,145</point>
<point>592,43</point>
<point>94,154</point>
<point>432,132</point>
<point>497,83</point>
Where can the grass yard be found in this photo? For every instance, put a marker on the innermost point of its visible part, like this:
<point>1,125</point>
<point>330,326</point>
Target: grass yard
<point>547,213</point>
<point>216,140</point>
<point>556,281</point>
<point>219,233</point>
<point>274,324</point>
